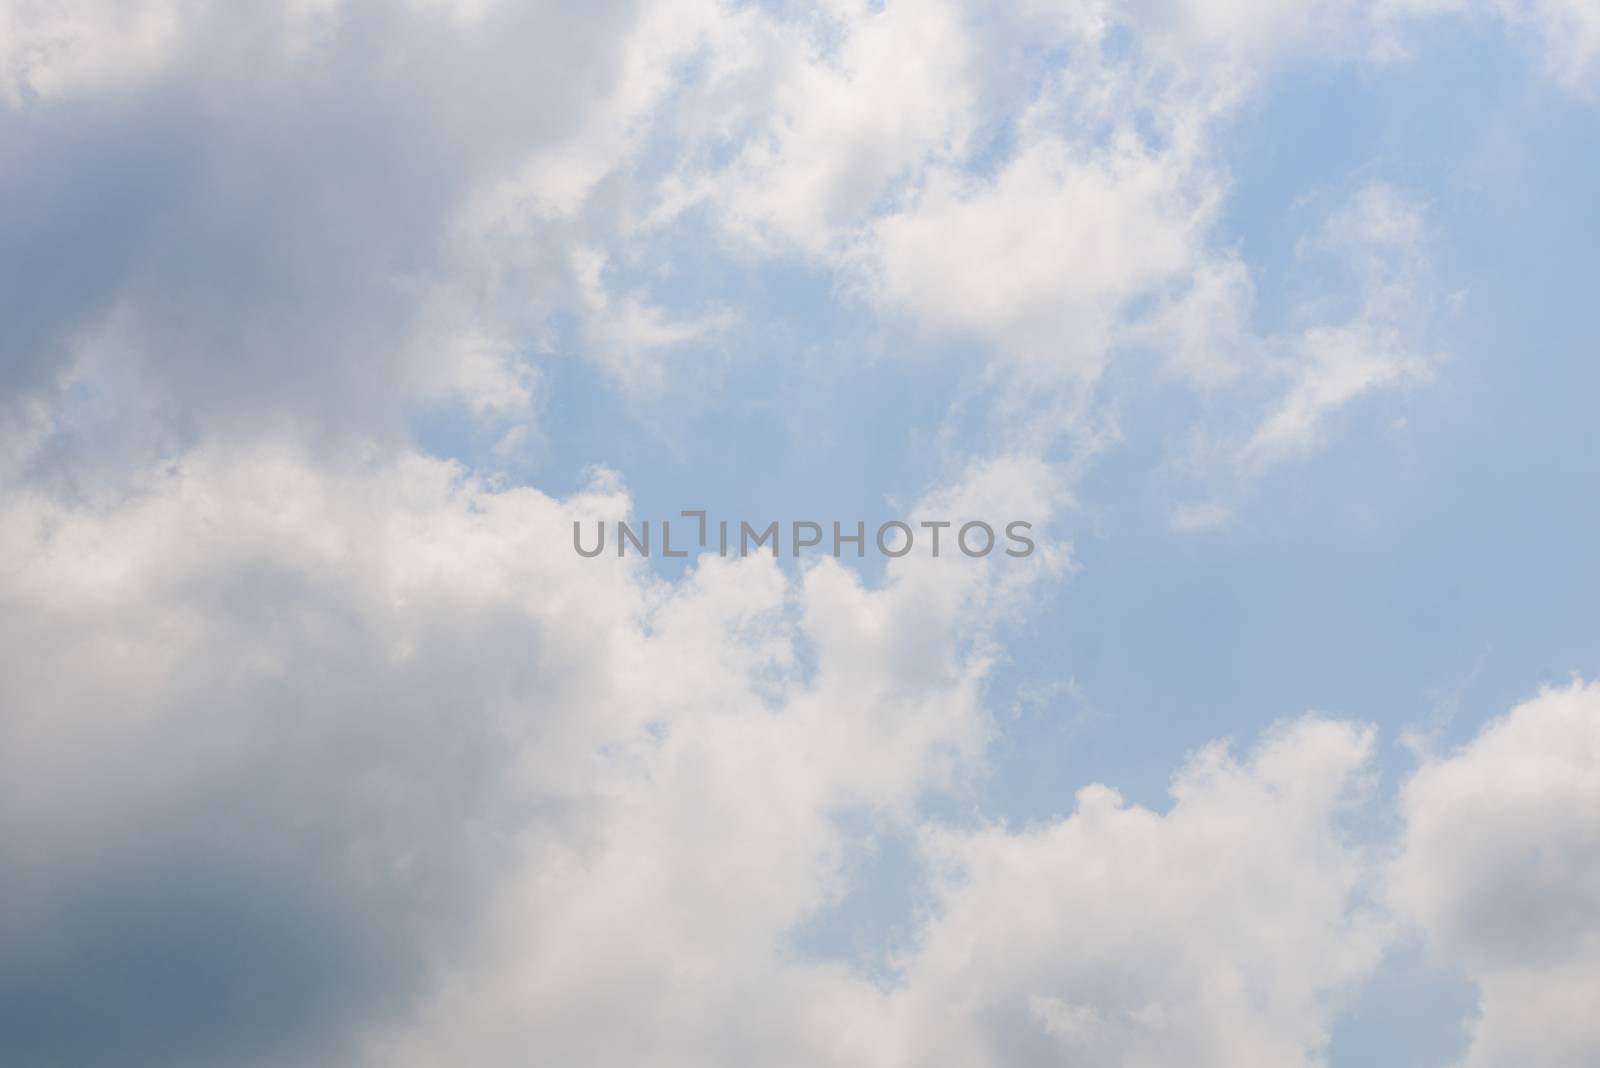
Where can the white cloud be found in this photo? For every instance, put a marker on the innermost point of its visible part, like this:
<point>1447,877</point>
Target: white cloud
<point>1362,307</point>
<point>1571,35</point>
<point>828,111</point>
<point>1114,936</point>
<point>937,167</point>
<point>397,696</point>
<point>1058,217</point>
<point>627,333</point>
<point>55,50</point>
<point>1500,867</point>
<point>553,803</point>
<point>1041,259</point>
<point>1203,331</point>
<point>1378,238</point>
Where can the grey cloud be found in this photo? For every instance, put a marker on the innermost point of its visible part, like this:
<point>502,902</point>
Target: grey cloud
<point>258,225</point>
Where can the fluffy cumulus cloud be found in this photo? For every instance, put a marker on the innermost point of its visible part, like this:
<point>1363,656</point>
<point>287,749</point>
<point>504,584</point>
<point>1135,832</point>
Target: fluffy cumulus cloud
<point>262,723</point>
<point>1019,203</point>
<point>1113,937</point>
<point>1500,866</point>
<point>317,719</point>
<point>447,791</point>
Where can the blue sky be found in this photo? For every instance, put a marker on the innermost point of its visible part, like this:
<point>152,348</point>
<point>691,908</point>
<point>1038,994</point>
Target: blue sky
<point>322,323</point>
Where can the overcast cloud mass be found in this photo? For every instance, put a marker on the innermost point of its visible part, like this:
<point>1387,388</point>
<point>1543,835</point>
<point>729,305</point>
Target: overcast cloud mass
<point>322,322</point>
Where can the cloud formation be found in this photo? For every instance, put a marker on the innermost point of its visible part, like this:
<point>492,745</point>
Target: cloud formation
<point>1500,867</point>
<point>376,691</point>
<point>550,801</point>
<point>317,746</point>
